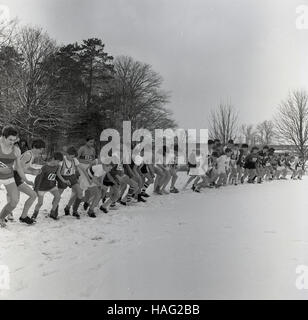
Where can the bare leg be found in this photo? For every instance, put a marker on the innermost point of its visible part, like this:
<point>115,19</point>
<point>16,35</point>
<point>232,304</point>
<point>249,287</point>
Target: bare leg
<point>95,196</point>
<point>13,198</point>
<point>40,200</point>
<point>32,197</point>
<point>174,177</point>
<point>166,181</point>
<point>56,198</point>
<point>190,179</point>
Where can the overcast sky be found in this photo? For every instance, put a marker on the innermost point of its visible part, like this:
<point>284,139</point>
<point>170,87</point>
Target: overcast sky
<point>248,52</point>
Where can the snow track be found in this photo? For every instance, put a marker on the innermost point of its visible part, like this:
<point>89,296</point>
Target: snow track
<point>235,242</point>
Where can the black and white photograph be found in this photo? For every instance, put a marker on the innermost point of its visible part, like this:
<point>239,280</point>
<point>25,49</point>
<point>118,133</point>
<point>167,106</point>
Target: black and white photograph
<point>153,150</point>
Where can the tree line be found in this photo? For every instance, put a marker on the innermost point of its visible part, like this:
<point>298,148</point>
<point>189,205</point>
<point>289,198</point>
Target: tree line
<point>288,126</point>
<point>66,93</point>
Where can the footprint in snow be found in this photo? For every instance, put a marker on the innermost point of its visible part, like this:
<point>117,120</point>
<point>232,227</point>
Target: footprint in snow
<point>47,273</point>
<point>112,241</point>
<point>97,238</point>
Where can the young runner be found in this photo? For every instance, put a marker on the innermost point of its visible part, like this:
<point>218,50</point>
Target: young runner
<point>242,172</point>
<point>251,164</point>
<point>67,177</point>
<point>233,178</point>
<point>202,170</point>
<point>86,155</point>
<point>193,168</point>
<point>163,175</point>
<point>112,188</point>
<point>26,161</point>
<point>10,158</point>
<point>46,182</point>
<point>223,164</point>
<point>96,172</point>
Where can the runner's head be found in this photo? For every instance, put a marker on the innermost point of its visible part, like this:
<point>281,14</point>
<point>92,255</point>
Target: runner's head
<point>90,142</point>
<point>254,150</point>
<point>38,147</point>
<point>23,144</point>
<point>244,147</point>
<point>214,156</point>
<point>55,159</point>
<point>228,152</point>
<point>10,135</point>
<point>71,153</point>
<point>230,143</point>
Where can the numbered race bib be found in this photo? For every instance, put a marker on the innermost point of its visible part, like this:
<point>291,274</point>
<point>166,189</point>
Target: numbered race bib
<point>52,177</point>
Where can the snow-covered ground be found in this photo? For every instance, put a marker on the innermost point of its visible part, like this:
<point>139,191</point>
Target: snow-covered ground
<point>230,243</point>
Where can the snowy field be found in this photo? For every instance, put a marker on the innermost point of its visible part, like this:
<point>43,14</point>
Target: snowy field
<point>236,242</point>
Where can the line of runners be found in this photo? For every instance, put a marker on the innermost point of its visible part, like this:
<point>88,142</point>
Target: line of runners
<point>235,163</point>
<point>104,187</point>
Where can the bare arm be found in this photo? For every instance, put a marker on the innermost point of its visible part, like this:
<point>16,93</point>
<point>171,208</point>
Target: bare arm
<point>23,160</point>
<point>129,169</point>
<point>81,169</point>
<point>19,167</point>
<point>110,177</point>
<point>60,176</point>
<point>151,169</point>
<point>79,153</point>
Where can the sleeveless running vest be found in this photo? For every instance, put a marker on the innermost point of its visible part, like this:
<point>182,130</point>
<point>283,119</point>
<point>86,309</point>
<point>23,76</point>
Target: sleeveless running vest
<point>29,162</point>
<point>68,170</point>
<point>87,154</point>
<point>7,160</point>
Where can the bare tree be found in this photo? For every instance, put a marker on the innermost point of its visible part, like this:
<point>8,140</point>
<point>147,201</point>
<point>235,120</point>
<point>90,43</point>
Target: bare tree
<point>7,27</point>
<point>223,123</point>
<point>291,121</point>
<point>265,132</point>
<point>34,95</point>
<point>138,95</point>
<point>248,132</point>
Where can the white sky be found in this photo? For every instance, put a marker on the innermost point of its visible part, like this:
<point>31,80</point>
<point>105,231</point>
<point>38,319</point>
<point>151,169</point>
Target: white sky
<point>245,51</point>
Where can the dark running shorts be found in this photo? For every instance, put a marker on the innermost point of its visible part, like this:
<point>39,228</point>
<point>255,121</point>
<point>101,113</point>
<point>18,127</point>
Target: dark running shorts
<point>73,180</point>
<point>250,165</point>
<point>18,179</point>
<point>126,171</point>
<point>107,182</point>
<point>144,169</point>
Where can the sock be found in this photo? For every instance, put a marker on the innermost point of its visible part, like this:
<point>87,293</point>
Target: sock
<point>76,205</point>
<point>144,188</point>
<point>6,210</point>
<point>53,213</point>
<point>130,194</point>
<point>105,199</point>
